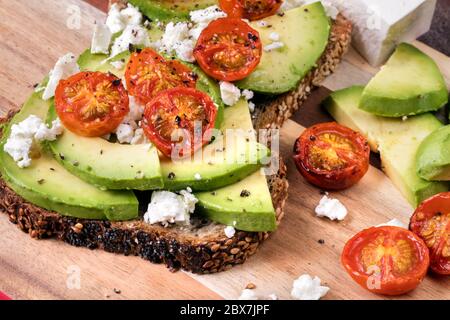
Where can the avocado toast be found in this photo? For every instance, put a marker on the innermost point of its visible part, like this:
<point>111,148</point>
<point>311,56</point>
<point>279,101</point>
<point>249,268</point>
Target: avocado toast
<point>201,247</point>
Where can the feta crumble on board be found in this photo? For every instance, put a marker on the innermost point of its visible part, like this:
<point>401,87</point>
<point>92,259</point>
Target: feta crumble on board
<point>230,93</point>
<point>229,231</point>
<point>134,35</point>
<point>101,39</point>
<point>167,207</point>
<point>251,107</point>
<point>331,208</point>
<point>273,46</point>
<point>64,68</point>
<point>307,288</point>
<point>24,134</point>
<point>247,294</point>
<point>118,20</point>
<point>248,94</point>
<point>394,223</point>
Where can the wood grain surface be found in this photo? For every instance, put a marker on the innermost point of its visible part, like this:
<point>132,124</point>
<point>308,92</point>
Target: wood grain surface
<point>33,35</point>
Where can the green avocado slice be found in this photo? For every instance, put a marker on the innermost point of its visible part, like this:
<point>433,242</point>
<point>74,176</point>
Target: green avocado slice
<point>397,141</point>
<point>170,9</point>
<point>304,32</point>
<point>47,184</point>
<point>410,83</point>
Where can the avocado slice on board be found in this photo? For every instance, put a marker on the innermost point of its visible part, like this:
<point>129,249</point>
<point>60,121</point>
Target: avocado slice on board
<point>410,83</point>
<point>49,185</point>
<point>170,9</point>
<point>304,32</point>
<point>395,139</point>
<point>433,156</point>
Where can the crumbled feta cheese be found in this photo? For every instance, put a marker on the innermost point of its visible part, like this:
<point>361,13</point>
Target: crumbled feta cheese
<point>101,39</point>
<point>247,94</point>
<point>118,20</point>
<point>124,133</point>
<point>274,36</point>
<point>168,207</point>
<point>394,223</point>
<point>247,294</point>
<point>176,39</point>
<point>197,176</point>
<point>251,107</point>
<point>139,137</point>
<point>273,46</point>
<point>262,24</point>
<point>135,114</point>
<point>196,30</point>
<point>230,93</point>
<point>64,68</point>
<point>24,134</point>
<point>229,231</point>
<point>404,118</point>
<point>330,9</point>
<point>119,64</point>
<point>134,35</point>
<point>207,15</point>
<point>331,208</point>
<point>307,288</point>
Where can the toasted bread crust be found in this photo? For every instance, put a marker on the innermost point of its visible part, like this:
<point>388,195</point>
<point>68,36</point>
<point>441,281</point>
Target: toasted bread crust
<point>203,247</point>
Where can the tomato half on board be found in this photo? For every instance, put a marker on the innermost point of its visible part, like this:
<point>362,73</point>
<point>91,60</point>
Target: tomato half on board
<point>331,156</point>
<point>386,260</point>
<point>250,9</point>
<point>91,104</point>
<point>431,222</point>
<point>178,121</point>
<point>228,49</point>
<point>148,73</point>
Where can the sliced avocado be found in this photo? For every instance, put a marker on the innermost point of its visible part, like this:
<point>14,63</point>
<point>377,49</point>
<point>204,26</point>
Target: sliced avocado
<point>247,204</point>
<point>410,83</point>
<point>395,139</point>
<point>433,156</point>
<point>170,9</point>
<point>47,184</point>
<point>222,162</point>
<point>304,32</point>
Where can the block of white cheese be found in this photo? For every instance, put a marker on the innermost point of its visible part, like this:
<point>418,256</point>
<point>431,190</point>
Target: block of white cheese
<point>382,24</point>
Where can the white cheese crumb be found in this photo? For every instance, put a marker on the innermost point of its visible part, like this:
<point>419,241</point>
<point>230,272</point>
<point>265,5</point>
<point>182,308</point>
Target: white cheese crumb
<point>124,133</point>
<point>251,107</point>
<point>404,118</point>
<point>118,20</point>
<point>134,35</point>
<point>262,24</point>
<point>274,36</point>
<point>229,231</point>
<point>247,294</point>
<point>176,39</point>
<point>307,288</point>
<point>273,46</point>
<point>394,223</point>
<point>135,114</point>
<point>207,15</point>
<point>248,94</point>
<point>197,176</point>
<point>139,137</point>
<point>168,207</point>
<point>27,132</point>
<point>64,68</point>
<point>331,208</point>
<point>230,93</point>
<point>101,39</point>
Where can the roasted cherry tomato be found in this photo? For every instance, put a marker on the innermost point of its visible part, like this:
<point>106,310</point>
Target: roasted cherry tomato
<point>386,260</point>
<point>228,49</point>
<point>148,73</point>
<point>91,104</point>
<point>431,222</point>
<point>250,9</point>
<point>187,109</point>
<point>331,156</point>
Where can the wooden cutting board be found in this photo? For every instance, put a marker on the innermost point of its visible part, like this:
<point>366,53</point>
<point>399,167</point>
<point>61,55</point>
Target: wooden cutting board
<point>33,35</point>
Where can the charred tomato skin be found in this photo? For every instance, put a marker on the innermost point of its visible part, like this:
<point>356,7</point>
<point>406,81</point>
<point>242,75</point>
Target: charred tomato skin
<point>431,222</point>
<point>91,104</point>
<point>228,49</point>
<point>401,257</point>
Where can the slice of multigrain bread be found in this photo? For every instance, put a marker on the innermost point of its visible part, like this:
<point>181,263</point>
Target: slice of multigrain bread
<point>203,246</point>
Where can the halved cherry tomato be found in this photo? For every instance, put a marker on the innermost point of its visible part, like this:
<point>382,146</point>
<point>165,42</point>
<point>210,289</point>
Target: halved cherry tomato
<point>250,9</point>
<point>331,156</point>
<point>188,109</point>
<point>386,260</point>
<point>91,104</point>
<point>228,49</point>
<point>148,73</point>
<point>431,222</point>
